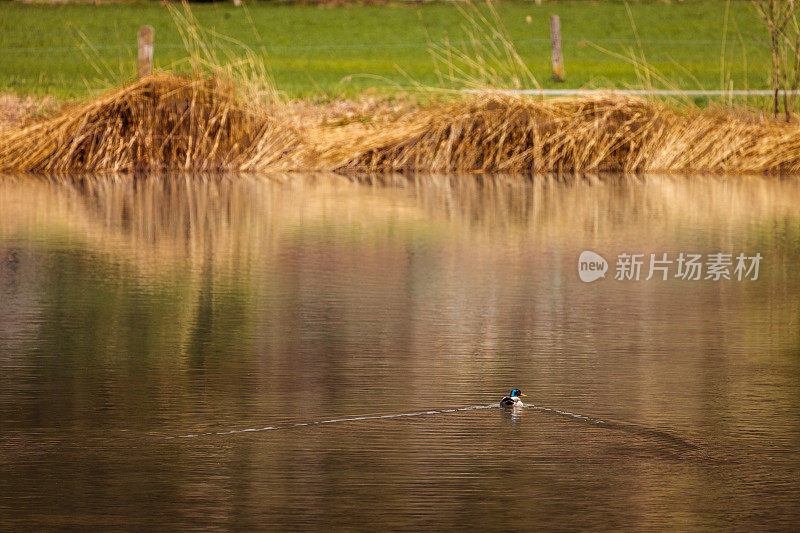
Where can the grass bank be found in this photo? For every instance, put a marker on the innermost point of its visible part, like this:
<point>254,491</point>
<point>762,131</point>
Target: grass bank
<point>165,122</point>
<point>71,50</point>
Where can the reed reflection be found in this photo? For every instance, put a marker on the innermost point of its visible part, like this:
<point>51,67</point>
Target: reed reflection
<point>136,308</point>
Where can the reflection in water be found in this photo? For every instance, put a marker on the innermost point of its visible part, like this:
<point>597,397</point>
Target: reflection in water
<point>139,308</point>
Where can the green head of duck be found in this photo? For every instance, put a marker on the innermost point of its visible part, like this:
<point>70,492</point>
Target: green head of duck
<point>514,399</point>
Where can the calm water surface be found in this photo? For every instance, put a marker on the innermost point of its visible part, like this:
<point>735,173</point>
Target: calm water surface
<point>145,323</point>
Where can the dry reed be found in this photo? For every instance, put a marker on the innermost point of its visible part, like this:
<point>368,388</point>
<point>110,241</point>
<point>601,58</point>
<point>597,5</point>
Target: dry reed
<point>616,133</point>
<point>180,123</point>
<point>158,122</point>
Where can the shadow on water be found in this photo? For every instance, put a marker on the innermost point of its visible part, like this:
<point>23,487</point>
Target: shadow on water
<point>629,427</point>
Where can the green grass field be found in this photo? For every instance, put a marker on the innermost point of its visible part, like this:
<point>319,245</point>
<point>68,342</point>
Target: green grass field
<point>317,50</point>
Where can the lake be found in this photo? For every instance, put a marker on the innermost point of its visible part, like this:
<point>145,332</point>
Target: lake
<point>290,351</point>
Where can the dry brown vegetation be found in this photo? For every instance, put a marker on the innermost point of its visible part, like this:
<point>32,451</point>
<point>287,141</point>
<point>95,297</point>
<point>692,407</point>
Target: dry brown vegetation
<point>180,123</point>
<point>155,123</point>
<point>16,111</point>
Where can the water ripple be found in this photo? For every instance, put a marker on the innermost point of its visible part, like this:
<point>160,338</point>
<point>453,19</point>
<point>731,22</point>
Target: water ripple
<point>629,427</point>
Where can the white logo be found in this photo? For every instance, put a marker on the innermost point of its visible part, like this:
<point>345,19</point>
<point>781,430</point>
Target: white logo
<point>664,266</point>
<point>591,266</point>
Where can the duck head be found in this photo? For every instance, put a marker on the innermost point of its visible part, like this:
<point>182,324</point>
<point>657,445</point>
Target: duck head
<point>517,393</point>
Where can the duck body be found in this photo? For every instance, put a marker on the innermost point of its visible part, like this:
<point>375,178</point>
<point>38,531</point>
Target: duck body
<point>513,399</point>
<point>509,401</point>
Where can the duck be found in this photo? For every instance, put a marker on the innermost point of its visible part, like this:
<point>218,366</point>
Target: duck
<point>513,399</point>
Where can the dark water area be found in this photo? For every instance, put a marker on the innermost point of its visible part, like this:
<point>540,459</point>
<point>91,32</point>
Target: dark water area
<point>283,352</point>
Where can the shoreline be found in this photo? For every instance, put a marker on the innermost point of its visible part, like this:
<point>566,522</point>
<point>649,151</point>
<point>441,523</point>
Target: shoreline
<point>166,122</point>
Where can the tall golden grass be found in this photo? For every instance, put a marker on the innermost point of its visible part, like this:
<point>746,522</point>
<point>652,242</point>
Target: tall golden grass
<point>198,123</point>
<point>611,132</point>
<point>159,122</point>
<point>225,114</point>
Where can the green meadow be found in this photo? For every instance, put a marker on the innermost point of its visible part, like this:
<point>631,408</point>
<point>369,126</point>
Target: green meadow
<point>72,50</point>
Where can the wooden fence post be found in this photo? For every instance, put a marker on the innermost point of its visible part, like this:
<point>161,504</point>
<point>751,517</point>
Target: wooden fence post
<point>555,43</point>
<point>145,51</point>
